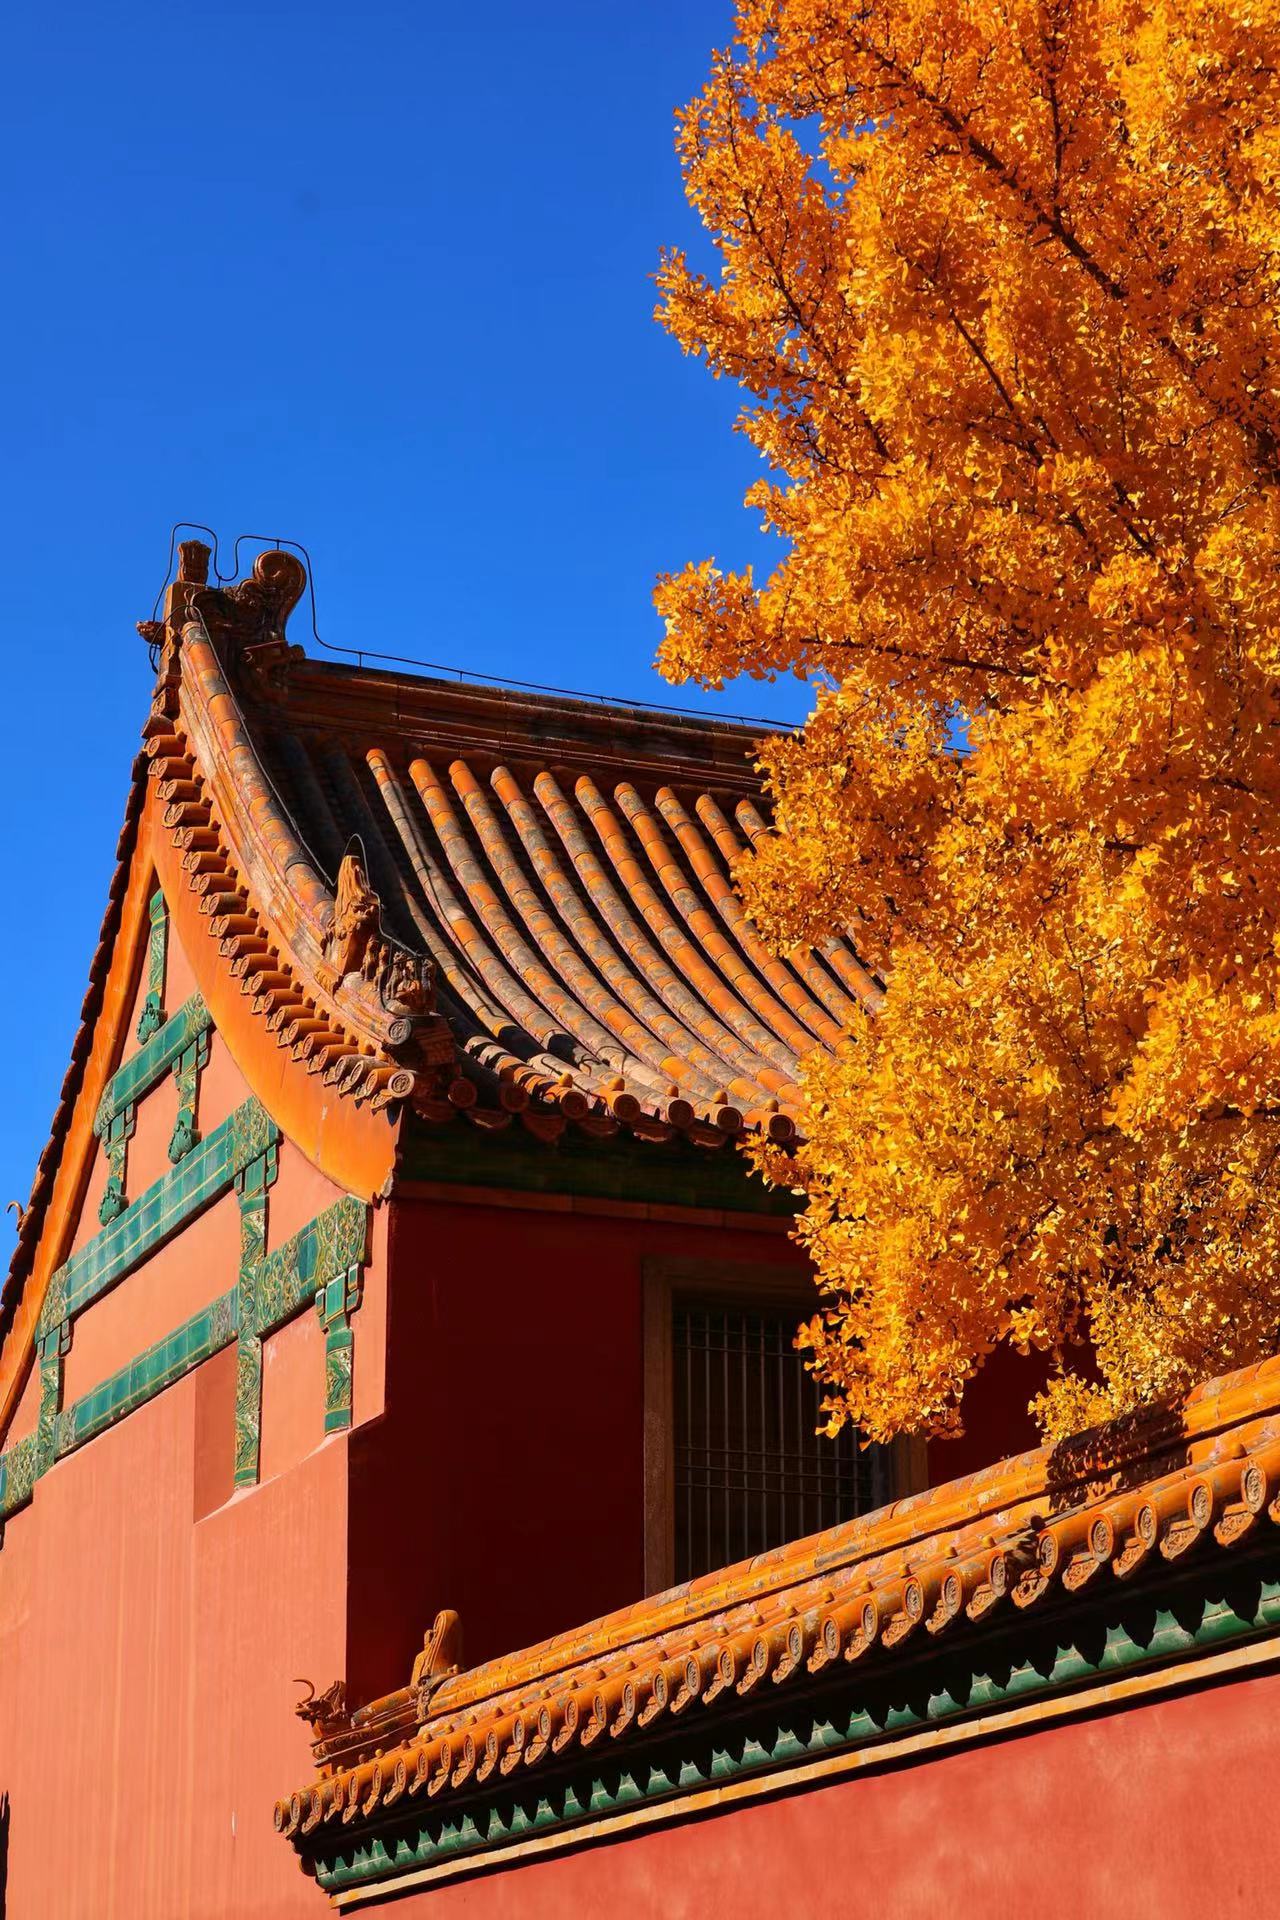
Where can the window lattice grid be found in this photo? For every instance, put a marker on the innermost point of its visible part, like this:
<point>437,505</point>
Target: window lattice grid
<point>751,1469</point>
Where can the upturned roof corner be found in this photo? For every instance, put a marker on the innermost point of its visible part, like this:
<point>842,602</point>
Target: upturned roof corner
<point>507,908</point>
<point>351,1009</point>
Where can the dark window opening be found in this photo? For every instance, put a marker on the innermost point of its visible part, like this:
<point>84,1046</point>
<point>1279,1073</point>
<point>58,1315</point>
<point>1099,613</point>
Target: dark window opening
<point>751,1469</point>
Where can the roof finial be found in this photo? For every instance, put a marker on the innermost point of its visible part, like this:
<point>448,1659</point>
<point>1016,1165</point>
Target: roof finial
<point>193,562</point>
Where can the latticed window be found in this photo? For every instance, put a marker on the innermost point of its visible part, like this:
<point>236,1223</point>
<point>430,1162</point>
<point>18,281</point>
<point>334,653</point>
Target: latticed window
<point>751,1469</point>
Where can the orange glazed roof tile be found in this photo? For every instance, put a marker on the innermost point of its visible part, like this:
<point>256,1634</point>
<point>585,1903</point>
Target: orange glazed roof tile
<point>506,905</point>
<point>1029,1534</point>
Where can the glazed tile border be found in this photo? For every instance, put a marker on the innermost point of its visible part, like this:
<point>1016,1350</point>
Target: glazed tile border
<point>156,1057</point>
<point>207,1172</point>
<point>322,1262</point>
<point>322,1256</point>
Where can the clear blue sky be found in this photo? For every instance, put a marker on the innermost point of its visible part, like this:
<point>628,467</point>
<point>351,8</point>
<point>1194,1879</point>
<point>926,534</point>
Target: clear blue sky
<point>374,277</point>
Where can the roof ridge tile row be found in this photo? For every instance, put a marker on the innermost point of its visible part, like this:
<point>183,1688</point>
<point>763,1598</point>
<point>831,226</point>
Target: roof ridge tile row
<point>1045,1527</point>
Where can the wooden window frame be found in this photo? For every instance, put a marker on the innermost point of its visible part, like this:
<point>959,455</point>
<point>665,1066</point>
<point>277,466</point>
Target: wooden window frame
<point>748,1285</point>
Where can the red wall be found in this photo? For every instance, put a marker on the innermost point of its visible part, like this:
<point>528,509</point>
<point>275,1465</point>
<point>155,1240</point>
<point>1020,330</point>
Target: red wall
<point>507,1482</point>
<point>995,1416</point>
<point>147,1663</point>
<point>154,1622</point>
<point>154,1629</point>
<point>507,1479</point>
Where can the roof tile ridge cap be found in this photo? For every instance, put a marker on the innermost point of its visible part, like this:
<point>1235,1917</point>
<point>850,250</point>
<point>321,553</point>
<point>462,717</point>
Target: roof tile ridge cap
<point>739,1584</point>
<point>1007,1483</point>
<point>595,1658</point>
<point>31,1225</point>
<point>227,742</point>
<point>903,1594</point>
<point>598,711</point>
<point>223,743</point>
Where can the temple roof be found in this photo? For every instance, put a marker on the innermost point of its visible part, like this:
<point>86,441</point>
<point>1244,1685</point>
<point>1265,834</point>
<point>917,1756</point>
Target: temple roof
<point>500,909</point>
<point>502,903</point>
<point>566,868</point>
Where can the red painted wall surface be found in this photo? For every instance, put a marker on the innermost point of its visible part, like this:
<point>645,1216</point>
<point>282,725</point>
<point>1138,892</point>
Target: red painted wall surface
<point>1156,1812</point>
<point>156,1625</point>
<point>154,1622</point>
<point>147,1663</point>
<point>995,1416</point>
<point>507,1480</point>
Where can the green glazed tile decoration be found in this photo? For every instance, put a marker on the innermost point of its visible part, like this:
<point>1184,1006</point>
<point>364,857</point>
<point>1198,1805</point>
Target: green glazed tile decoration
<point>196,1340</point>
<point>322,1263</point>
<point>167,1206</point>
<point>135,1077</point>
<point>251,1190</point>
<point>152,1016</point>
<point>330,1244</point>
<point>186,1071</point>
<point>336,1301</point>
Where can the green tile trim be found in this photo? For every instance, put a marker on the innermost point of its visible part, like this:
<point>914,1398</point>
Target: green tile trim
<point>322,1264</point>
<point>167,1206</point>
<point>52,1348</point>
<point>675,1175</point>
<point>114,1198</point>
<point>145,1069</point>
<point>186,1071</point>
<point>326,1247</point>
<point>339,1345</point>
<point>1026,1662</point>
<point>336,1301</point>
<point>21,1471</point>
<point>151,1018</point>
<point>158,1367</point>
<point>252,1186</point>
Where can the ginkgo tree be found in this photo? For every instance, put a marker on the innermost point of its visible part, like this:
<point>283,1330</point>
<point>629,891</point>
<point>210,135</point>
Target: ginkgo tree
<point>1001,282</point>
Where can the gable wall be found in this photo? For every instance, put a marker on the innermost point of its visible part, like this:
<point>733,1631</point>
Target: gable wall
<point>154,1615</point>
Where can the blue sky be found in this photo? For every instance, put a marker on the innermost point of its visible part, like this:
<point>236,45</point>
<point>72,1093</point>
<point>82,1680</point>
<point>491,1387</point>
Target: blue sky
<point>373,277</point>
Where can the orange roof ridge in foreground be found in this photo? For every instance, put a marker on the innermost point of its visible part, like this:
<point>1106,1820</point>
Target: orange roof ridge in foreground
<point>1043,1527</point>
<point>506,908</point>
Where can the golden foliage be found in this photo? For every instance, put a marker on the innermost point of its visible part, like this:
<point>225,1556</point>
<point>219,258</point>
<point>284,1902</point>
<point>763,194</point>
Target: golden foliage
<point>1000,281</point>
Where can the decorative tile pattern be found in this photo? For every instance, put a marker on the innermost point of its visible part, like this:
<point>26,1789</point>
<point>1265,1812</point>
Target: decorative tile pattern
<point>327,1246</point>
<point>322,1262</point>
<point>114,1199</point>
<point>20,1473</point>
<point>251,1189</point>
<point>186,1071</point>
<point>205,1334</point>
<point>336,1301</point>
<point>206,1173</point>
<point>145,1069</point>
<point>151,1018</point>
<point>53,1346</point>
